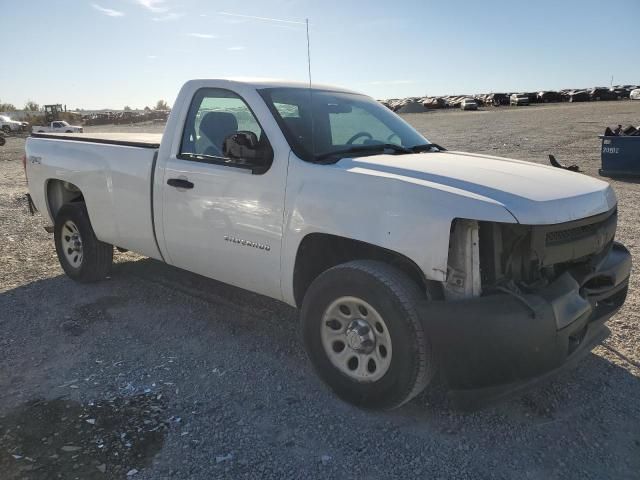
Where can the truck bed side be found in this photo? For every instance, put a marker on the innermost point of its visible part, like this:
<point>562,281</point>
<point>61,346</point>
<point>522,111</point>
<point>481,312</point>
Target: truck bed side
<point>114,179</point>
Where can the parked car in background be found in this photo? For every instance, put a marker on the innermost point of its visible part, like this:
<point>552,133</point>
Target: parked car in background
<point>549,96</point>
<point>519,99</point>
<point>434,102</point>
<point>621,91</point>
<point>601,93</point>
<point>11,126</point>
<point>578,96</point>
<point>57,127</point>
<point>469,104</point>
<point>497,99</point>
<point>635,94</point>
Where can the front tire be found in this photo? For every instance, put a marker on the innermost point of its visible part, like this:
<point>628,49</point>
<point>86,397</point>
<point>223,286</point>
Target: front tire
<point>82,256</point>
<point>363,334</point>
<point>6,129</point>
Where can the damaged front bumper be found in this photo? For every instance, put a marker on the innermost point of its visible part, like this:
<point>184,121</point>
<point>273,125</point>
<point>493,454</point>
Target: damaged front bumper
<point>496,345</point>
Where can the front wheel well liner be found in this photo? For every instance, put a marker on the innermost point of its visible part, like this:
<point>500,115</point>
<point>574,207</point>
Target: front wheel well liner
<point>318,252</point>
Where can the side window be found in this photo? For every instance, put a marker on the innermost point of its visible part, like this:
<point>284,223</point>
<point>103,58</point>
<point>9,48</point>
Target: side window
<point>214,116</point>
<point>56,125</point>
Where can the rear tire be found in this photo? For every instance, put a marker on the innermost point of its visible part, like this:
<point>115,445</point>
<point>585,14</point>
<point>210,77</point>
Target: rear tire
<point>363,334</point>
<point>82,256</point>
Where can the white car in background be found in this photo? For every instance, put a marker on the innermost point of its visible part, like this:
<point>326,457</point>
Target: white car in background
<point>635,94</point>
<point>8,126</point>
<point>469,104</point>
<point>57,127</point>
<point>519,99</point>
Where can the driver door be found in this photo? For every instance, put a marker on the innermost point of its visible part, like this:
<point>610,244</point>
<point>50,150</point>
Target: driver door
<point>220,219</point>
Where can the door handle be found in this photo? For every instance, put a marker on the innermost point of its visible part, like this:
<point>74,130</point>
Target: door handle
<point>179,183</point>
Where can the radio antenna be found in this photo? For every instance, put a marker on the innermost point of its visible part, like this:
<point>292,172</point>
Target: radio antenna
<point>313,146</point>
<point>308,52</point>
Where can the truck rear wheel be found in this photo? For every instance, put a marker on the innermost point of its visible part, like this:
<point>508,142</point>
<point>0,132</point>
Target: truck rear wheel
<point>82,256</point>
<point>364,336</point>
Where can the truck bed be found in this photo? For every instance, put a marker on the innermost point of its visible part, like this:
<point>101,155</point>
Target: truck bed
<point>142,140</point>
<point>113,171</point>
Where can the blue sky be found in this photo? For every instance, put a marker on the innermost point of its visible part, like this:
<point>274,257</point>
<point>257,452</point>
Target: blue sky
<point>111,53</point>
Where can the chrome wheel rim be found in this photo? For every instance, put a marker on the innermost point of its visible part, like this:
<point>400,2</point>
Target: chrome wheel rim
<point>71,243</point>
<point>356,339</point>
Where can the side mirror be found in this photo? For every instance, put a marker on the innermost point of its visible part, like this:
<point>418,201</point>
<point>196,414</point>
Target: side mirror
<point>244,149</point>
<point>241,145</point>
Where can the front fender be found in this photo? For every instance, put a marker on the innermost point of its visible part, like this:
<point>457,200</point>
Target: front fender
<point>410,217</point>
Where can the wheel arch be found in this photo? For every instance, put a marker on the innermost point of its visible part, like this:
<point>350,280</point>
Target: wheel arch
<point>59,193</point>
<point>317,252</point>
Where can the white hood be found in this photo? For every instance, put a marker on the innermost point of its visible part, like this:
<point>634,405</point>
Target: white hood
<point>534,194</point>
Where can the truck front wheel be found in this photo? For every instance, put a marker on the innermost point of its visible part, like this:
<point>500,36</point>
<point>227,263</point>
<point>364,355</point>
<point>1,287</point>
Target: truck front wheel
<point>82,256</point>
<point>364,336</point>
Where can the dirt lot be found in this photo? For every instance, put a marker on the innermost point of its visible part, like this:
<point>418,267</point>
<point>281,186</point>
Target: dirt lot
<point>158,373</point>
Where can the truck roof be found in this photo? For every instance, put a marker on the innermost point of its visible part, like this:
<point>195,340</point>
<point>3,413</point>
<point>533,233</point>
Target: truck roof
<point>259,83</point>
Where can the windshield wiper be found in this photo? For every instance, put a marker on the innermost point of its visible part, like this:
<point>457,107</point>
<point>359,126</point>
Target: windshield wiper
<point>377,147</point>
<point>427,147</point>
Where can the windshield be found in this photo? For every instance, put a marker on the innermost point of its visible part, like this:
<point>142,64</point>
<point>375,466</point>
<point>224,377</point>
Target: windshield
<point>343,124</point>
<point>4,119</point>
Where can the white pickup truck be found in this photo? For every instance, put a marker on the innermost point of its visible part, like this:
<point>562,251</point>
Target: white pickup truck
<point>57,127</point>
<point>403,257</point>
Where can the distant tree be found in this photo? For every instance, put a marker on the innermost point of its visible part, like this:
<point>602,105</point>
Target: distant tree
<point>31,106</point>
<point>127,108</point>
<point>147,109</point>
<point>162,105</point>
<point>7,107</point>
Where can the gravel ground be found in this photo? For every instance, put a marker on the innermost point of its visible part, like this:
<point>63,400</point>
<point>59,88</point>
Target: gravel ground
<point>159,373</point>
